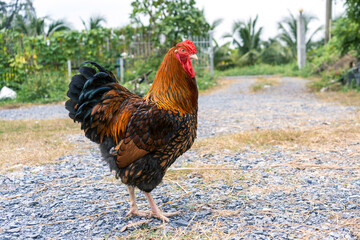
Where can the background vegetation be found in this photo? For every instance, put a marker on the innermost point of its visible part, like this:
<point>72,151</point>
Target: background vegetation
<point>34,50</point>
<point>326,63</point>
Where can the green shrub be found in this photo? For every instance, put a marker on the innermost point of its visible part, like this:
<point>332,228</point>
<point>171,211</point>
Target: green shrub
<point>204,79</point>
<point>266,69</point>
<point>44,87</point>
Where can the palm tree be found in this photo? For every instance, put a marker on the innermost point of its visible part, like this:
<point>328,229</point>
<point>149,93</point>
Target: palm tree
<point>273,52</point>
<point>246,37</point>
<point>57,26</point>
<point>32,25</point>
<point>222,56</point>
<point>10,10</point>
<point>29,24</point>
<point>216,23</point>
<point>94,22</point>
<point>288,28</point>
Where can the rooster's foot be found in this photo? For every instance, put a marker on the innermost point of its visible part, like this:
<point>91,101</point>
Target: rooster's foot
<point>162,216</point>
<point>112,151</point>
<point>135,212</point>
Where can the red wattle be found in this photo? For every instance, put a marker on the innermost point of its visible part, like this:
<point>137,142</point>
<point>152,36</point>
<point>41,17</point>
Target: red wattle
<point>187,65</point>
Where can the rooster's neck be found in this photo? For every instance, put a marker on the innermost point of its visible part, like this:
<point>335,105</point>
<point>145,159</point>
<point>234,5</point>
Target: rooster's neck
<point>173,89</point>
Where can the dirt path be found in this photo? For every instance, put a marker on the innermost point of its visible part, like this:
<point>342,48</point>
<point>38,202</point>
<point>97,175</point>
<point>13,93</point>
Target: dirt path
<point>288,105</point>
<point>273,193</point>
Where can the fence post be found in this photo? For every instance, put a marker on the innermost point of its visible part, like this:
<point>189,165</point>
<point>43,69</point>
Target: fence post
<point>118,67</point>
<point>69,68</point>
<point>328,21</point>
<point>211,53</point>
<point>121,60</point>
<point>301,51</point>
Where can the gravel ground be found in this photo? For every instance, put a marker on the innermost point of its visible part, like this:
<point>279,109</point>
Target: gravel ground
<point>50,111</point>
<point>285,106</point>
<point>273,195</point>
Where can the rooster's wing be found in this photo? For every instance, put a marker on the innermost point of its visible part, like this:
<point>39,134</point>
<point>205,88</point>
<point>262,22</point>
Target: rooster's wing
<point>106,110</point>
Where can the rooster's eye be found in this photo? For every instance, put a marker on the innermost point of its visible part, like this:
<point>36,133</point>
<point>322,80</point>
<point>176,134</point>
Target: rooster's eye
<point>183,50</point>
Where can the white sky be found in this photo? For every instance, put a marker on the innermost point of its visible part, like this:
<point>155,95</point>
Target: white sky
<point>117,12</point>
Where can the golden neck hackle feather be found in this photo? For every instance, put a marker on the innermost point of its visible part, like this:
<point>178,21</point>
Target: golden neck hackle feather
<point>173,89</point>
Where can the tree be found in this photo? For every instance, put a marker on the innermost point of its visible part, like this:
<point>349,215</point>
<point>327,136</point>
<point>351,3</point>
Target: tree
<point>288,28</point>
<point>9,11</point>
<point>348,29</point>
<point>30,24</point>
<point>57,26</point>
<point>274,52</point>
<point>353,10</point>
<point>174,19</point>
<point>94,22</point>
<point>246,38</point>
<point>222,56</point>
<point>216,23</point>
<point>20,15</point>
<point>346,35</point>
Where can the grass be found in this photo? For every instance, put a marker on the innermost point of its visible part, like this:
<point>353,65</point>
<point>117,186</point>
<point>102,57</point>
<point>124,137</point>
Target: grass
<point>346,98</point>
<point>44,87</point>
<point>266,69</point>
<point>29,142</point>
<point>8,104</point>
<point>202,230</point>
<point>341,132</point>
<point>263,82</point>
<point>205,81</point>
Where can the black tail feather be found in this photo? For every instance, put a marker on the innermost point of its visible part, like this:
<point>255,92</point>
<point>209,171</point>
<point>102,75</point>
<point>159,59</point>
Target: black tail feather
<point>87,72</point>
<point>86,90</point>
<point>98,66</point>
<point>70,106</point>
<point>75,87</point>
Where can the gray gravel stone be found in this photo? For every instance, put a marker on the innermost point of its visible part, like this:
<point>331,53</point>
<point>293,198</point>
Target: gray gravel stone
<point>182,223</point>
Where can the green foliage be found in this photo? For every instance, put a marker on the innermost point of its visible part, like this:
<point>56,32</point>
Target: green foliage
<point>290,69</point>
<point>20,16</point>
<point>325,55</point>
<point>57,26</point>
<point>23,55</point>
<point>34,51</point>
<point>222,56</point>
<point>94,22</point>
<point>275,53</point>
<point>44,87</point>
<point>347,33</point>
<point>173,19</point>
<point>204,79</point>
<point>353,10</point>
<point>11,10</point>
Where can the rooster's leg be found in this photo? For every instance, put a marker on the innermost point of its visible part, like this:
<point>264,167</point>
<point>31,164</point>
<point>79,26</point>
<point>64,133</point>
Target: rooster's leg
<point>134,211</point>
<point>156,212</point>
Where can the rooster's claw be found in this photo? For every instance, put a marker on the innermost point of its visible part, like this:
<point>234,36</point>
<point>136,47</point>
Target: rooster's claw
<point>113,151</point>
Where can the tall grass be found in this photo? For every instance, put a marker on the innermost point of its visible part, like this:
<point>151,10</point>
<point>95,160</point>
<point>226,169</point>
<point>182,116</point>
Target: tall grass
<point>204,79</point>
<point>43,87</point>
<point>266,69</point>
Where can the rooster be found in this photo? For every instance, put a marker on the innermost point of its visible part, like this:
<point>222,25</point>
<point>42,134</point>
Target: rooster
<point>139,137</point>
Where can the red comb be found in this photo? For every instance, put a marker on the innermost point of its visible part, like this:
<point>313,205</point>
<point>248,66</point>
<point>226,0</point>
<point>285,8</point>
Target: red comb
<point>189,45</point>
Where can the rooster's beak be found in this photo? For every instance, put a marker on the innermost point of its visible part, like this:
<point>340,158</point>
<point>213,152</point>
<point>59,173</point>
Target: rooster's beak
<point>193,57</point>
